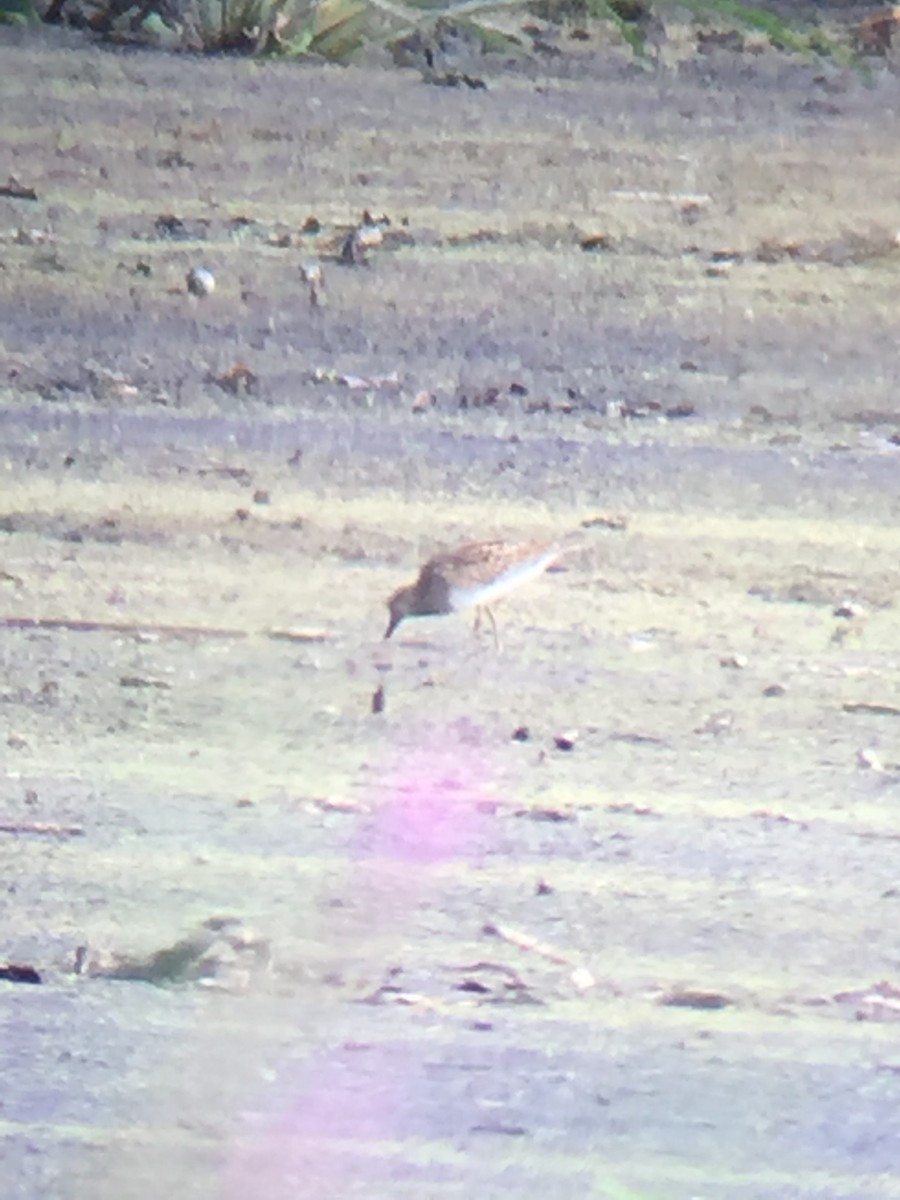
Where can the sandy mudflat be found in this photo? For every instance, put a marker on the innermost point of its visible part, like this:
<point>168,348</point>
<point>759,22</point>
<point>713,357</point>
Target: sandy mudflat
<point>723,832</point>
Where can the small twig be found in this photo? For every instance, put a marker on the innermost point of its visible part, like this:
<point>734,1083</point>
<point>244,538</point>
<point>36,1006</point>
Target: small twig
<point>876,709</point>
<point>513,977</point>
<point>580,976</point>
<point>81,626</point>
<point>17,191</point>
<point>45,828</point>
<point>525,941</point>
<point>77,625</point>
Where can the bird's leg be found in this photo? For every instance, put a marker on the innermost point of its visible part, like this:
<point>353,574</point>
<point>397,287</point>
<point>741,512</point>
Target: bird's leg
<point>476,628</point>
<point>493,628</point>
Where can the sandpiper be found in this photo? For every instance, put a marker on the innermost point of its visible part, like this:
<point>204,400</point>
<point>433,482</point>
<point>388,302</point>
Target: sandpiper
<point>472,576</point>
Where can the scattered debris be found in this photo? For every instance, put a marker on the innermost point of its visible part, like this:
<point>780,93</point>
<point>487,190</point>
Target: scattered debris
<point>355,383</point>
<point>764,814</point>
<point>13,190</point>
<point>378,700</point>
<point>298,635</point>
<point>239,222</point>
<point>636,738</point>
<point>423,401</point>
<point>370,230</point>
<point>875,33</point>
<point>365,236</point>
<point>476,979</point>
<point>312,274</point>
<point>633,810</point>
<point>580,977</point>
<point>870,760</point>
<point>701,199</point>
<point>879,1002</point>
<point>849,610</point>
<point>709,40</point>
<point>261,497</point>
<point>124,627</point>
<point>487,397</point>
<point>138,681</point>
<point>595,242</point>
<point>567,740</point>
<point>337,804</point>
<point>676,412</point>
<point>876,710</point>
<point>774,690</point>
<point>770,251</point>
<point>220,951</point>
<point>653,408</point>
<point>691,212</point>
<point>238,474</point>
<point>170,226</point>
<point>848,249</point>
<point>19,973</point>
<point>31,237</point>
<point>553,816</point>
<point>393,993</point>
<point>173,159</point>
<point>733,662</point>
<point>684,997</point>
<point>545,405</point>
<point>717,723</point>
<point>200,281</point>
<point>605,521</point>
<point>454,79</point>
<point>521,734</point>
<point>480,983</point>
<point>42,828</point>
<point>238,380</point>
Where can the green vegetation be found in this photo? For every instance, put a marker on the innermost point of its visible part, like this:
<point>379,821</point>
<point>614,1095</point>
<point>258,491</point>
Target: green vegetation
<point>337,29</point>
<point>779,32</point>
<point>18,12</point>
<point>332,29</point>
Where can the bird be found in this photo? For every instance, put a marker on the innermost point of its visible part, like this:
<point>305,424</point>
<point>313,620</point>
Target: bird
<point>473,575</point>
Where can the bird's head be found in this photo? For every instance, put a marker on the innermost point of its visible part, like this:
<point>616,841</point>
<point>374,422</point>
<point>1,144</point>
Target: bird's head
<point>399,605</point>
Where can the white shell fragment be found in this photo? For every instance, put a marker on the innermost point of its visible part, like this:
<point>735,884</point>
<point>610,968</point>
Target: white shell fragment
<point>200,281</point>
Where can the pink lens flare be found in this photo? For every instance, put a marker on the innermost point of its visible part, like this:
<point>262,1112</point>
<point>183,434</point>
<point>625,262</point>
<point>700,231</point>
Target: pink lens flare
<point>426,808</point>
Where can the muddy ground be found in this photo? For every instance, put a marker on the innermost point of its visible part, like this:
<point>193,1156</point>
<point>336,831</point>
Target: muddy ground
<point>193,565</point>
